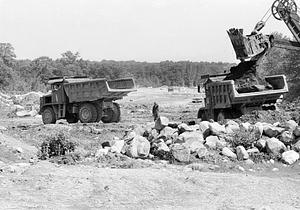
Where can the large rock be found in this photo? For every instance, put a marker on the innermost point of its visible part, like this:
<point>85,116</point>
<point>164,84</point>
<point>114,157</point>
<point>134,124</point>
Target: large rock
<point>232,126</point>
<point>184,128</point>
<point>161,146</point>
<point>241,153</point>
<point>228,153</point>
<point>194,146</point>
<point>202,152</point>
<point>117,146</point>
<point>245,126</point>
<point>290,125</point>
<point>140,130</point>
<point>161,123</point>
<point>253,150</point>
<point>217,129</point>
<point>290,157</point>
<point>287,137</point>
<point>191,137</point>
<point>274,146</point>
<point>180,152</point>
<point>211,142</point>
<point>138,147</point>
<point>272,131</point>
<point>296,146</point>
<point>204,126</point>
<point>168,133</point>
<point>261,144</point>
<point>259,127</point>
<point>297,131</point>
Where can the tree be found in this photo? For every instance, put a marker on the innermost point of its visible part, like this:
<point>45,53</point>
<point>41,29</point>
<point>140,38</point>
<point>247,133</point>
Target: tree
<point>7,54</point>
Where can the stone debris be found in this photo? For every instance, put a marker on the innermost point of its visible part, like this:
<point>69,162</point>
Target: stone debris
<point>274,146</point>
<point>290,157</point>
<point>228,153</point>
<point>241,152</point>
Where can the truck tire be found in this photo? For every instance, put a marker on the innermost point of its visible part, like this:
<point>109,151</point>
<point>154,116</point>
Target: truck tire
<point>48,116</point>
<point>221,116</point>
<point>71,118</point>
<point>117,113</point>
<point>99,112</point>
<point>87,113</point>
<point>202,115</point>
<point>112,114</point>
<point>108,115</point>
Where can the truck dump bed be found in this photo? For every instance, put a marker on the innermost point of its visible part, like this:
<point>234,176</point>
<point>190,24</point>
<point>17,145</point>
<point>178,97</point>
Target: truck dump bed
<point>222,94</point>
<point>95,89</point>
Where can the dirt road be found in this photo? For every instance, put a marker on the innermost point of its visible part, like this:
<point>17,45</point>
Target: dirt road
<point>48,186</point>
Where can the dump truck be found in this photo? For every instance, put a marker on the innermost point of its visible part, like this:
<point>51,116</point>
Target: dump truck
<point>222,100</point>
<point>233,94</point>
<point>84,99</point>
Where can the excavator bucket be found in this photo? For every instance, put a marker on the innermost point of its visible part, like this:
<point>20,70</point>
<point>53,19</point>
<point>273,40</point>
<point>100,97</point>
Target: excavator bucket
<point>247,46</point>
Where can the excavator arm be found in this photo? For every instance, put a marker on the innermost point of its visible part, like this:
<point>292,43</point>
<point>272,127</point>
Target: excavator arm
<point>256,45</point>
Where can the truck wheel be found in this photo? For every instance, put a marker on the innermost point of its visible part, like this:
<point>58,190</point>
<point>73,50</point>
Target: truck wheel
<point>71,118</point>
<point>108,115</point>
<point>48,116</point>
<point>221,116</point>
<point>202,115</point>
<point>87,113</point>
<point>117,113</point>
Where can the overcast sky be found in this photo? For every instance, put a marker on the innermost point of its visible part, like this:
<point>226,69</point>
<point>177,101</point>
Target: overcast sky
<point>141,30</point>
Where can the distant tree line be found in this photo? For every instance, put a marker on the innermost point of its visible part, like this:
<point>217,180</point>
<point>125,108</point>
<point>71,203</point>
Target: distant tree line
<point>32,75</point>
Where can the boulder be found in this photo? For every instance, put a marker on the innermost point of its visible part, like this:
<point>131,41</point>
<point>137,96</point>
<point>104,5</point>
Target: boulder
<point>139,130</point>
<point>138,147</point>
<point>252,150</point>
<point>259,127</point>
<point>190,137</point>
<point>195,127</point>
<point>211,142</point>
<point>217,129</point>
<point>153,135</point>
<point>261,144</point>
<point>274,146</point>
<point>228,153</point>
<point>180,152</point>
<point>296,146</point>
<point>232,126</point>
<point>241,153</point>
<point>272,131</point>
<point>245,126</point>
<point>204,126</point>
<point>194,146</point>
<point>161,123</point>
<point>287,137</point>
<point>117,146</point>
<point>290,157</point>
<point>202,152</point>
<point>290,125</point>
<point>101,152</point>
<point>297,131</point>
<point>221,144</point>
<point>184,128</point>
<point>168,133</point>
<point>161,146</point>
<point>249,162</point>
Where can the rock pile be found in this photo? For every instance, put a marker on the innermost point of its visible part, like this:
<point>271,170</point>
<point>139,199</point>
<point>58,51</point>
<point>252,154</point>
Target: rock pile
<point>182,142</point>
<point>21,105</point>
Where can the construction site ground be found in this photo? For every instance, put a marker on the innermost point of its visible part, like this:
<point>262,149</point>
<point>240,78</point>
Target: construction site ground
<point>119,183</point>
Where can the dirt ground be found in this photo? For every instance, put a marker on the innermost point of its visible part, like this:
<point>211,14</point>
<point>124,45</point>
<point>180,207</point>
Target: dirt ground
<point>141,184</point>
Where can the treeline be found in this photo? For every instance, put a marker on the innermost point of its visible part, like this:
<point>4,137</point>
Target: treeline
<point>32,75</point>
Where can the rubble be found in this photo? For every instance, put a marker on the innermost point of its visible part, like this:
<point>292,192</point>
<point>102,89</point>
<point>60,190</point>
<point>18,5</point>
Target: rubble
<point>290,157</point>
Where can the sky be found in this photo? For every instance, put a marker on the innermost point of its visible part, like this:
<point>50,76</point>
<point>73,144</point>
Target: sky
<point>141,30</point>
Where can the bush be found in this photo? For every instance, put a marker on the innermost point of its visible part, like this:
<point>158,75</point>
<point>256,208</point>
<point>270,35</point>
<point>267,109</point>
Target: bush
<point>56,145</point>
<point>244,138</point>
